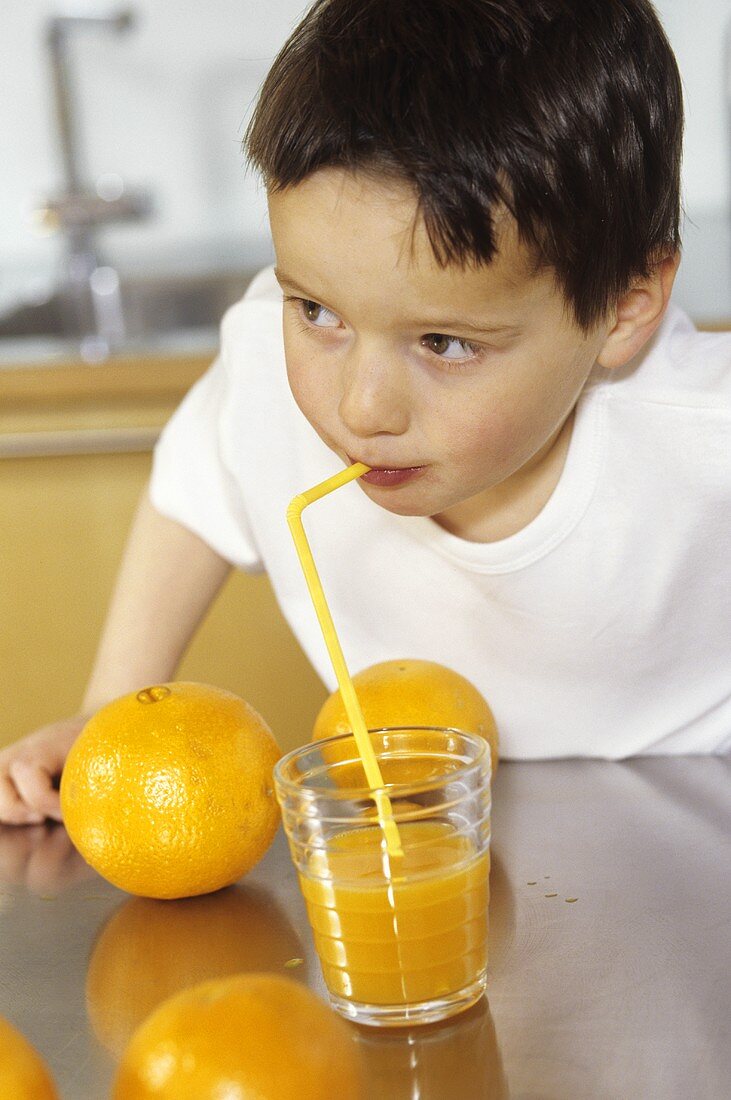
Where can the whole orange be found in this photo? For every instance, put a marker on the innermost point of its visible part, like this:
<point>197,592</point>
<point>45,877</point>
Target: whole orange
<point>254,1035</point>
<point>412,692</point>
<point>168,792</point>
<point>23,1073</point>
<point>171,945</point>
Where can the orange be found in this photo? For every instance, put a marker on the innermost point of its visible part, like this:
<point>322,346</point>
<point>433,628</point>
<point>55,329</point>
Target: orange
<point>411,692</point>
<point>23,1073</point>
<point>254,1035</point>
<point>168,792</point>
<point>170,945</point>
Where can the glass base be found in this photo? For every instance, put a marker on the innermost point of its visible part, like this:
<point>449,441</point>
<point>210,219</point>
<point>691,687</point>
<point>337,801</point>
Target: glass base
<point>417,1012</point>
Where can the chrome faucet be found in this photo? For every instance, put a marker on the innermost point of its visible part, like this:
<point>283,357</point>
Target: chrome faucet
<point>89,291</point>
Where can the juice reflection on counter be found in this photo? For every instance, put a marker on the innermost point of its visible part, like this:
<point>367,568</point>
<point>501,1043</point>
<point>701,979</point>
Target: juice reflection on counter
<point>458,1058</point>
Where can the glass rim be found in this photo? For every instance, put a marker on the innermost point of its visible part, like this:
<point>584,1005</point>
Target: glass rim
<point>289,786</point>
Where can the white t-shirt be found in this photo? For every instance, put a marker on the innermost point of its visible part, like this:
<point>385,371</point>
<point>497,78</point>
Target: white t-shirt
<point>603,628</point>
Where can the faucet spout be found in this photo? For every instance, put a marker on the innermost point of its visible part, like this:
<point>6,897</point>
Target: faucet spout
<point>59,29</point>
<point>90,289</point>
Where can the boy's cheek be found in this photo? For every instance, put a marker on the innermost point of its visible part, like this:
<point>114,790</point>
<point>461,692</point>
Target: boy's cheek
<point>499,441</point>
<point>309,407</point>
<point>489,437</point>
<point>302,390</point>
<point>302,381</point>
<point>314,400</point>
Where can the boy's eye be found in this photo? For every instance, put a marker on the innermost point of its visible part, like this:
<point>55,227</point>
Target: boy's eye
<point>319,315</point>
<point>449,347</point>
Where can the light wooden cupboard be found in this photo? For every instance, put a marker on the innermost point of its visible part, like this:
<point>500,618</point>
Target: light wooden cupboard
<point>75,445</point>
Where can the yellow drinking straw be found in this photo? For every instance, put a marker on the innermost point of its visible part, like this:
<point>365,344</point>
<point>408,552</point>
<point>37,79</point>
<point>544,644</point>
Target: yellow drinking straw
<point>350,699</point>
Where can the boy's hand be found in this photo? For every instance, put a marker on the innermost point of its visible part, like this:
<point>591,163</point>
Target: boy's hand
<point>168,579</point>
<point>29,773</point>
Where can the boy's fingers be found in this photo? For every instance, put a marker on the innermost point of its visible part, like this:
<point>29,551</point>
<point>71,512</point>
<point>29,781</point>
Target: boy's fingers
<point>13,810</point>
<point>35,787</point>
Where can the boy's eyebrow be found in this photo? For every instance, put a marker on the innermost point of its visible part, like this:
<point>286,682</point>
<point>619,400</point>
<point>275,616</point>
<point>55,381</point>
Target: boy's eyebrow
<point>460,324</point>
<point>283,278</point>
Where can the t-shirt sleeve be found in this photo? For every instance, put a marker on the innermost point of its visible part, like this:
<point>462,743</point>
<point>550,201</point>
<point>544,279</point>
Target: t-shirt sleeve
<point>191,482</point>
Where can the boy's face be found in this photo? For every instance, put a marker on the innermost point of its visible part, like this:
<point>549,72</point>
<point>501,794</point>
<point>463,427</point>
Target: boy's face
<point>456,384</point>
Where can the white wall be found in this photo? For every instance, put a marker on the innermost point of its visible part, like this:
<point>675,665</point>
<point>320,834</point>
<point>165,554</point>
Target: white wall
<point>700,34</point>
<point>164,106</point>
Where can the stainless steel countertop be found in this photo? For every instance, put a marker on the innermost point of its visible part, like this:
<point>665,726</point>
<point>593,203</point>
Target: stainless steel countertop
<point>622,994</point>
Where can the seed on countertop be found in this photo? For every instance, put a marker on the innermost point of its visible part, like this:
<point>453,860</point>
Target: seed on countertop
<point>572,899</point>
<point>531,884</point>
<point>550,895</point>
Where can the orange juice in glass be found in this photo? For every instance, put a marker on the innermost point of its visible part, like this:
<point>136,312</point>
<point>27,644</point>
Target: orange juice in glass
<point>402,939</point>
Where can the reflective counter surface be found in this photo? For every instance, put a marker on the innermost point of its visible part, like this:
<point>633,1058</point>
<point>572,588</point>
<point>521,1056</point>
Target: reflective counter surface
<point>610,946</point>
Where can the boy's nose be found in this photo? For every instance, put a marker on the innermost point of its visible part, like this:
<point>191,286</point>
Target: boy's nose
<point>373,398</point>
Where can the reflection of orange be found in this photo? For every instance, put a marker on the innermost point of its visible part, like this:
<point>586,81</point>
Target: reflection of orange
<point>23,1074</point>
<point>255,1035</point>
<point>459,1057</point>
<point>410,692</point>
<point>149,950</point>
<point>168,792</point>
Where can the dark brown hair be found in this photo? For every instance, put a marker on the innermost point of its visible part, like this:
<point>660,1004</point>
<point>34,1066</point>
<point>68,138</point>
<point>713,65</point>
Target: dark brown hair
<point>569,112</point>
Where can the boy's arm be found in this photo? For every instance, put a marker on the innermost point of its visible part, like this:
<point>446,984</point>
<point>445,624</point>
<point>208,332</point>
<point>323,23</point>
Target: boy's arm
<point>167,581</point>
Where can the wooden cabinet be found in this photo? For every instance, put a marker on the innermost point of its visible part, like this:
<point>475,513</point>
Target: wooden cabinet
<point>75,453</point>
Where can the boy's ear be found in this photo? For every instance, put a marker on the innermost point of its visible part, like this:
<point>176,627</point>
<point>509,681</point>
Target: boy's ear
<point>638,313</point>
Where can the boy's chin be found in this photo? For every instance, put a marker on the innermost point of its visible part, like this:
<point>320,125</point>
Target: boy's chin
<point>397,501</point>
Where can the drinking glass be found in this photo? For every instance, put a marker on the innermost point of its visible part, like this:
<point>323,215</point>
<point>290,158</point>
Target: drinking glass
<point>401,938</point>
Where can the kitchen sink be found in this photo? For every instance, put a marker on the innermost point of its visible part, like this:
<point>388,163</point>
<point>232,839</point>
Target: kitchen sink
<point>146,309</point>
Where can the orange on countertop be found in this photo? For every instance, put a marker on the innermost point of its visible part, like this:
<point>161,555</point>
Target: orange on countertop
<point>171,945</point>
<point>23,1073</point>
<point>411,692</point>
<point>167,792</point>
<point>254,1035</point>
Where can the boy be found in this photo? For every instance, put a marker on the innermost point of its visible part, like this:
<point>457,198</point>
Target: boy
<point>474,206</point>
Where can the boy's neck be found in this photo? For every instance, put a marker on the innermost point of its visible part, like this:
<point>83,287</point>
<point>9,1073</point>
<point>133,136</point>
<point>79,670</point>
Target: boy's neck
<point>507,508</point>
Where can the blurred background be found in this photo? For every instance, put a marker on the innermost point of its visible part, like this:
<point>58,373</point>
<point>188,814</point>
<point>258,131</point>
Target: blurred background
<point>158,94</point>
<point>128,224</point>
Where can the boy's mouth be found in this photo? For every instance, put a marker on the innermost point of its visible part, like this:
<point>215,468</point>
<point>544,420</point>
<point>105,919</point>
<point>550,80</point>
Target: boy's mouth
<point>389,476</point>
